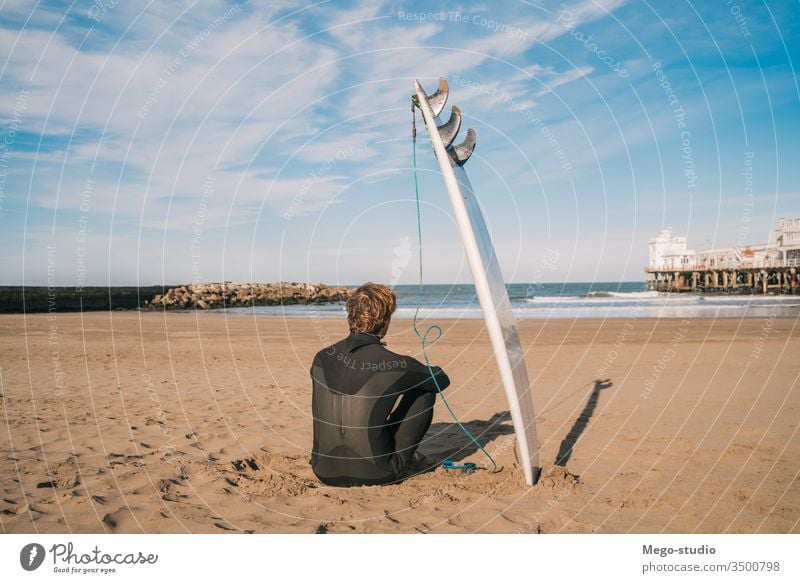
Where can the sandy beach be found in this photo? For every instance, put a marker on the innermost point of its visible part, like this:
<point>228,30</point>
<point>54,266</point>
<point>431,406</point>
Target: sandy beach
<point>199,422</point>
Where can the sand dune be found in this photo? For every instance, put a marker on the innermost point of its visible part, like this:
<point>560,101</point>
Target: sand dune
<point>183,422</point>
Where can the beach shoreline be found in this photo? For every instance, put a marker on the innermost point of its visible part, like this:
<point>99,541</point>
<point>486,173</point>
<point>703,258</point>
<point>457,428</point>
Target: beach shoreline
<point>199,422</point>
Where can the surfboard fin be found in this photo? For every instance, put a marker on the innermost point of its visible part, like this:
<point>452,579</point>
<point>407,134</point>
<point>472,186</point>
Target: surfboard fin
<point>460,153</point>
<point>439,97</point>
<point>449,129</point>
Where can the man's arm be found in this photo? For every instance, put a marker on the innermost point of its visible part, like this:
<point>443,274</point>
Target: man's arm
<point>421,378</point>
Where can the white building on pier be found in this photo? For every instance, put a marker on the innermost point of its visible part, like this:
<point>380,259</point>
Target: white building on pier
<point>668,252</point>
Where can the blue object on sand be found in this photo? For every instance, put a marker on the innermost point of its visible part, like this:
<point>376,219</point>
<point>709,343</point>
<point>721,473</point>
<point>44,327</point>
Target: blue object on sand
<point>468,467</point>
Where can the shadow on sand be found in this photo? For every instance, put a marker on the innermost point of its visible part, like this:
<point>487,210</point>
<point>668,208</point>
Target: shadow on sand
<point>568,443</point>
<point>448,441</point>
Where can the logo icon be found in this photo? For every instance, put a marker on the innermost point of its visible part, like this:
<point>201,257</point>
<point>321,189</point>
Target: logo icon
<point>31,556</point>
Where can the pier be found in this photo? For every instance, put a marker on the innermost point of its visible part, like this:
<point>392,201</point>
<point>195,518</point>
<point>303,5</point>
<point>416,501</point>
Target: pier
<point>770,267</point>
<point>778,279</point>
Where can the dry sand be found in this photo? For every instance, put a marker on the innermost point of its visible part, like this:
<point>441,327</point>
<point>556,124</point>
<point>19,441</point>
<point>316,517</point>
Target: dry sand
<point>184,422</point>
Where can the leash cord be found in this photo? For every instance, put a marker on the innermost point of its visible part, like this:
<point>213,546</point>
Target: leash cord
<point>433,328</point>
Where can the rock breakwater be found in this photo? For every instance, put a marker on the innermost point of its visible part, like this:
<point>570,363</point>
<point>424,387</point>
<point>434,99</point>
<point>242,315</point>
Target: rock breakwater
<point>228,294</point>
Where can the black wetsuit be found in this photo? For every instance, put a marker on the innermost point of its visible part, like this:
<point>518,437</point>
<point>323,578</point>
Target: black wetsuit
<point>360,437</point>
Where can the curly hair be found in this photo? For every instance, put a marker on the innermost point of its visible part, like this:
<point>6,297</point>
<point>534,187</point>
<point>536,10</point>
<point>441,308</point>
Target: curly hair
<point>370,308</point>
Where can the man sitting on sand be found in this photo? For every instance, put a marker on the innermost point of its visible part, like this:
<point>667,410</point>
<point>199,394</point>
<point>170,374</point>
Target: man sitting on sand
<point>371,406</point>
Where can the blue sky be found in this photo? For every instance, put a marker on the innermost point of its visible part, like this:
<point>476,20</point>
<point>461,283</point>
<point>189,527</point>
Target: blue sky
<point>202,141</point>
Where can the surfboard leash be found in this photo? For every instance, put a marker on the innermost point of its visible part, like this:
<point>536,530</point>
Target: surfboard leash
<point>423,337</point>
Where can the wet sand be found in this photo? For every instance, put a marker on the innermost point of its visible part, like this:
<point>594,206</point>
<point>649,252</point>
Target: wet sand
<point>184,422</point>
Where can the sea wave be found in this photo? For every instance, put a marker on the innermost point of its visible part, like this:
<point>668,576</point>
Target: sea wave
<point>640,294</point>
<point>608,297</point>
<point>653,297</point>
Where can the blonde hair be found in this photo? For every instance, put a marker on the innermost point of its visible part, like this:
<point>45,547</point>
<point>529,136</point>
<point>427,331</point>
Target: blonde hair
<point>370,308</point>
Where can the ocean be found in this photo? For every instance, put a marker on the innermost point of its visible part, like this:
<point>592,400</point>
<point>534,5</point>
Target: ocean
<point>566,300</point>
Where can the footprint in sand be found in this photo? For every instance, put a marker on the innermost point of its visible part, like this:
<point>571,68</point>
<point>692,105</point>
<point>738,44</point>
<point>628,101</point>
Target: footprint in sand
<point>168,489</point>
<point>117,459</point>
<point>17,509</point>
<point>121,520</point>
<point>269,475</point>
<point>64,474</point>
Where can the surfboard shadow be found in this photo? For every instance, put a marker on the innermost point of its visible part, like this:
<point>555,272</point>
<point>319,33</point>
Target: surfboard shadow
<point>577,429</point>
<point>448,441</point>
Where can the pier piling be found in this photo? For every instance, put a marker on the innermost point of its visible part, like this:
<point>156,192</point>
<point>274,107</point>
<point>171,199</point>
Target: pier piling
<point>782,279</point>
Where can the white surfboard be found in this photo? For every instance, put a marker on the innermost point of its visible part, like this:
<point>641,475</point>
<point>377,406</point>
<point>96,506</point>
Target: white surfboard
<point>489,284</point>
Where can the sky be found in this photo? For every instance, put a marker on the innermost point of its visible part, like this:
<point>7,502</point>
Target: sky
<point>179,142</point>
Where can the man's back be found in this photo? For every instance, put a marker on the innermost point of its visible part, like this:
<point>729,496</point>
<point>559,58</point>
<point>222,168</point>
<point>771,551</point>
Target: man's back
<point>356,384</point>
